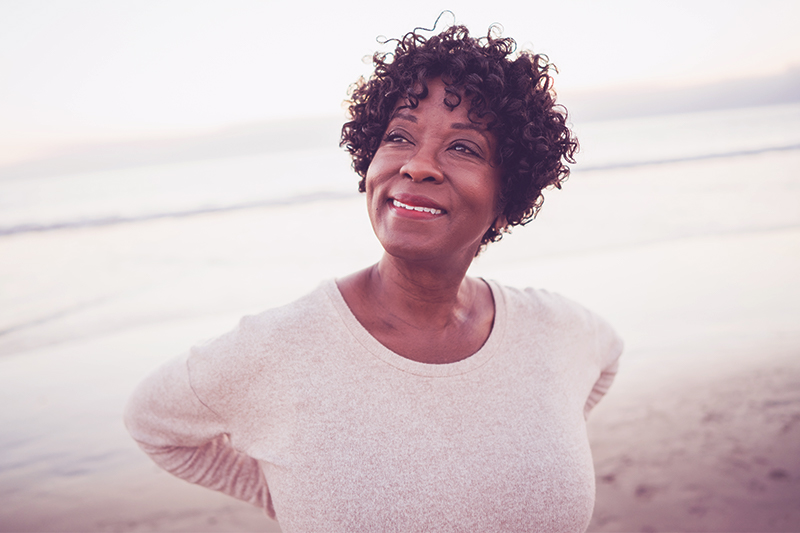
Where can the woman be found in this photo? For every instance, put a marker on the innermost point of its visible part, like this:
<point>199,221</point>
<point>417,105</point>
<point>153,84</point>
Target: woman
<point>408,396</point>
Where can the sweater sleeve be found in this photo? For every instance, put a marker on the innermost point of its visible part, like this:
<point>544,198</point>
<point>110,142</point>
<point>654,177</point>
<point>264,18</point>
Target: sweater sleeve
<point>188,439</point>
<point>608,348</point>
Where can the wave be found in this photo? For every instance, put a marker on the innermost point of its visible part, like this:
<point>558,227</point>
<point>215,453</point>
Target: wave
<point>326,195</point>
<point>114,220</point>
<point>681,159</point>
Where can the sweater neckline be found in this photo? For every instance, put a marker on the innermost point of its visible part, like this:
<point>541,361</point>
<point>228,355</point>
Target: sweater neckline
<point>468,364</point>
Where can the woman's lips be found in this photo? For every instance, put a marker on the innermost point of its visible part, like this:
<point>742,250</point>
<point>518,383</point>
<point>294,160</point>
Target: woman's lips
<point>416,206</point>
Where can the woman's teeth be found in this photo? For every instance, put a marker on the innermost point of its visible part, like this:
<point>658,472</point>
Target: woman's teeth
<point>430,210</point>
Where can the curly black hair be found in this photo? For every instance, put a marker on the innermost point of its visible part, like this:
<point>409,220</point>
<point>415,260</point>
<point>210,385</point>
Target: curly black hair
<point>511,92</point>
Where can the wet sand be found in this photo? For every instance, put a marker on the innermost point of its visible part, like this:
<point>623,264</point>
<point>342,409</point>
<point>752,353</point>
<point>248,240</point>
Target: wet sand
<point>694,263</point>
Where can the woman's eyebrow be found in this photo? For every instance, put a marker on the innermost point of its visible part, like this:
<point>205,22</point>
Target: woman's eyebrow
<point>481,129</point>
<point>470,126</point>
<point>401,114</point>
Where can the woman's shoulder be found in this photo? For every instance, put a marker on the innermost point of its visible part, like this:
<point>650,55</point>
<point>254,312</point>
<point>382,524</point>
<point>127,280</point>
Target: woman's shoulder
<point>266,356</point>
<point>540,303</point>
<point>538,311</point>
<point>267,340</point>
<point>299,318</point>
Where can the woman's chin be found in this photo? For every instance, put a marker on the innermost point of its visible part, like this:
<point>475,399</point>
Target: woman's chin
<point>412,251</point>
<point>430,251</point>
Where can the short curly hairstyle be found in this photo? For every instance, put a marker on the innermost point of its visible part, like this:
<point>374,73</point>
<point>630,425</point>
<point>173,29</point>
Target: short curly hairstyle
<point>512,92</point>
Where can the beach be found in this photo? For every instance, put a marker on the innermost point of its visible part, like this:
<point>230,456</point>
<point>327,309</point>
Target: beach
<point>693,257</point>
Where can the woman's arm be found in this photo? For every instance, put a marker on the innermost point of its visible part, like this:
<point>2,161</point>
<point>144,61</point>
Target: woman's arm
<point>608,348</point>
<point>188,439</point>
<point>601,387</point>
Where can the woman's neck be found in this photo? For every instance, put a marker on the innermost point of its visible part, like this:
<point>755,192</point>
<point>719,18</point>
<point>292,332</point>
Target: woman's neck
<point>420,312</point>
<point>420,293</point>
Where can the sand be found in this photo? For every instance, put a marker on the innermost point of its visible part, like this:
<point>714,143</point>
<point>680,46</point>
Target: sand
<point>713,449</point>
<point>695,263</point>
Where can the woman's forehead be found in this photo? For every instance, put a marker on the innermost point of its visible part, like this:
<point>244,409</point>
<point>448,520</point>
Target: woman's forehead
<point>451,96</point>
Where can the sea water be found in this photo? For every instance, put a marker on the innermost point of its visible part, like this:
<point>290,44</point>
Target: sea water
<point>202,185</point>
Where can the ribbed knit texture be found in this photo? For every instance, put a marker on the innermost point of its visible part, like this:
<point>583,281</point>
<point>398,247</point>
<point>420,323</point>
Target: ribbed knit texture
<point>301,411</point>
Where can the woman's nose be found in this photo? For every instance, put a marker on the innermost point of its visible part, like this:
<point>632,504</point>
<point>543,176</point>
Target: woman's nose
<point>423,166</point>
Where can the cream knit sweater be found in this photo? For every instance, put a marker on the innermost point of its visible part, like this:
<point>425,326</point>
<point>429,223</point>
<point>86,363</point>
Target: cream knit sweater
<point>301,411</point>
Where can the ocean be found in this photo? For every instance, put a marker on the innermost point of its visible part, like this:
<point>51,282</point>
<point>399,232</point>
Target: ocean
<point>133,193</point>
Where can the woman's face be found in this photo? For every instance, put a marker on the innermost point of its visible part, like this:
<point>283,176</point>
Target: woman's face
<point>434,183</point>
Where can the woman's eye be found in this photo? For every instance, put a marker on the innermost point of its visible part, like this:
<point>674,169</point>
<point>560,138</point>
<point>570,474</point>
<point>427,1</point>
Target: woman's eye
<point>394,138</point>
<point>464,149</point>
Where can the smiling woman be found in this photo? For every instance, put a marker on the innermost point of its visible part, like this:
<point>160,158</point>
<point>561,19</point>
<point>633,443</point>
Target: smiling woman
<point>408,396</point>
<point>510,100</point>
<point>433,192</point>
<point>434,161</point>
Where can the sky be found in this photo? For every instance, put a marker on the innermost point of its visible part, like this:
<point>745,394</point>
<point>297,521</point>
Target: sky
<point>81,71</point>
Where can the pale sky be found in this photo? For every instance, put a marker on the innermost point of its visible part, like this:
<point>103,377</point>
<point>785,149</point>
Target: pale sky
<point>88,71</point>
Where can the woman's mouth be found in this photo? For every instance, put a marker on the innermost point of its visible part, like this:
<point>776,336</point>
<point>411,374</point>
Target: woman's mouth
<point>418,208</point>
